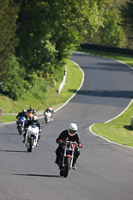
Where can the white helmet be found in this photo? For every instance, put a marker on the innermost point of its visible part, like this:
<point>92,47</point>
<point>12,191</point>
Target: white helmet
<point>35,118</point>
<point>24,111</point>
<point>72,129</point>
<point>50,108</point>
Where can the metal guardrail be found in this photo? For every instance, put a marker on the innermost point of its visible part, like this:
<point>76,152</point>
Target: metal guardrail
<point>63,81</point>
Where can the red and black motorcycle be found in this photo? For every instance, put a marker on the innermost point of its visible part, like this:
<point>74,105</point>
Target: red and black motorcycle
<point>67,156</point>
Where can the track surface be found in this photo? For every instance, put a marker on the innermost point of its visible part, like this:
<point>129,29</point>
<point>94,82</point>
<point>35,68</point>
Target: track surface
<point>104,170</point>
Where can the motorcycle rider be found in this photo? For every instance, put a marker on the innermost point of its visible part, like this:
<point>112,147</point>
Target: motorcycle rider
<point>30,122</point>
<point>21,114</point>
<point>72,135</point>
<point>31,110</point>
<point>50,109</point>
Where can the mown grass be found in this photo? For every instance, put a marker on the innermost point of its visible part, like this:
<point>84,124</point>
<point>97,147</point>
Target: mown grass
<point>118,130</point>
<point>42,96</point>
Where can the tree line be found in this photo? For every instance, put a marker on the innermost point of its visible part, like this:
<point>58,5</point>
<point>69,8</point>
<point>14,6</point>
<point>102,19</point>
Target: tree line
<point>37,35</point>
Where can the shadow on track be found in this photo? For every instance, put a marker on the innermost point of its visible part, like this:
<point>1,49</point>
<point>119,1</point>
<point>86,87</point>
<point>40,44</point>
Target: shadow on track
<point>13,151</point>
<point>39,175</point>
<point>107,67</point>
<point>105,93</point>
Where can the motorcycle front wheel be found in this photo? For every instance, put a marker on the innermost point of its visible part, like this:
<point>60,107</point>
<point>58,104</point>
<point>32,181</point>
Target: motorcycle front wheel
<point>67,166</point>
<point>29,149</point>
<point>20,130</point>
<point>46,119</point>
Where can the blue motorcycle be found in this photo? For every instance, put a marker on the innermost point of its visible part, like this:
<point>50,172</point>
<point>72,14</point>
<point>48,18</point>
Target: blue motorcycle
<point>21,124</point>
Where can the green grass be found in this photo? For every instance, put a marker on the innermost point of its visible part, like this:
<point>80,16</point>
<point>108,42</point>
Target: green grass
<point>119,130</point>
<point>8,118</point>
<point>41,100</point>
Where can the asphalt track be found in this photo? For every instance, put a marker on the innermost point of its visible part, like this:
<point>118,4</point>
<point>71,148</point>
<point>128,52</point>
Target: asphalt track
<point>104,170</point>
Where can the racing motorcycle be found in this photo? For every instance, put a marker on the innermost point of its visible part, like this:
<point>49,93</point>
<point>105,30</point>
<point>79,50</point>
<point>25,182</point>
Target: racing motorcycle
<point>67,156</point>
<point>31,138</point>
<point>48,117</point>
<point>21,124</point>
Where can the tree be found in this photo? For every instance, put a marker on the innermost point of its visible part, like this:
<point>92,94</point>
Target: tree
<point>127,23</point>
<point>112,34</point>
<point>49,29</point>
<point>127,14</point>
<point>35,49</point>
<point>8,39</point>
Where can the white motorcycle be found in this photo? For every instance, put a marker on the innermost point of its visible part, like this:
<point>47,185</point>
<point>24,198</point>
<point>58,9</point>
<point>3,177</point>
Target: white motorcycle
<point>48,117</point>
<point>31,137</point>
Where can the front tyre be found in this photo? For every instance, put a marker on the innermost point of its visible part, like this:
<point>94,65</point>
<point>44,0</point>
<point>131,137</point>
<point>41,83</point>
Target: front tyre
<point>20,130</point>
<point>29,149</point>
<point>46,119</point>
<point>67,166</point>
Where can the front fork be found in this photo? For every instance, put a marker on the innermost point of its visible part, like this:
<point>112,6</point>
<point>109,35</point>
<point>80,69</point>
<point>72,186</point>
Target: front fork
<point>72,158</point>
<point>64,155</point>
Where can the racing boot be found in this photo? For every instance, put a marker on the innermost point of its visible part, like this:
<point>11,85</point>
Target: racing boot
<point>74,164</point>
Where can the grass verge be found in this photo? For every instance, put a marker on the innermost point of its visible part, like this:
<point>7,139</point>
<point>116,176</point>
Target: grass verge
<point>118,130</point>
<point>40,101</point>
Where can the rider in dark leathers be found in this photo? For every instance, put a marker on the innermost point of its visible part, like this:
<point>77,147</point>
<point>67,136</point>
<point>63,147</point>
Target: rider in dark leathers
<point>72,135</point>
<point>21,114</point>
<point>31,110</point>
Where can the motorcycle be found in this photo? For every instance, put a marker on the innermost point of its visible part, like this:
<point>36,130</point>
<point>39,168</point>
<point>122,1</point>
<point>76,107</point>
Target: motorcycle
<point>48,117</point>
<point>31,138</point>
<point>67,156</point>
<point>21,124</point>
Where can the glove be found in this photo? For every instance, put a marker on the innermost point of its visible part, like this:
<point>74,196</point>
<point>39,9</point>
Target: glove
<point>58,141</point>
<point>80,145</point>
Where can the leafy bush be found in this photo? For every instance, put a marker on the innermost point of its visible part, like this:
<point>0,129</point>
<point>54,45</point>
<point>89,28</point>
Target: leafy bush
<point>15,86</point>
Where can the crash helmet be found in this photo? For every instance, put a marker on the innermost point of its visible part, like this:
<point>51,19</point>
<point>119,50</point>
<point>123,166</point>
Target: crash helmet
<point>72,129</point>
<point>23,111</point>
<point>50,108</point>
<point>31,108</point>
<point>35,119</point>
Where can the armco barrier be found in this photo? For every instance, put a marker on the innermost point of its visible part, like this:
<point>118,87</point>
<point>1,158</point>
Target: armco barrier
<point>98,47</point>
<point>63,81</point>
